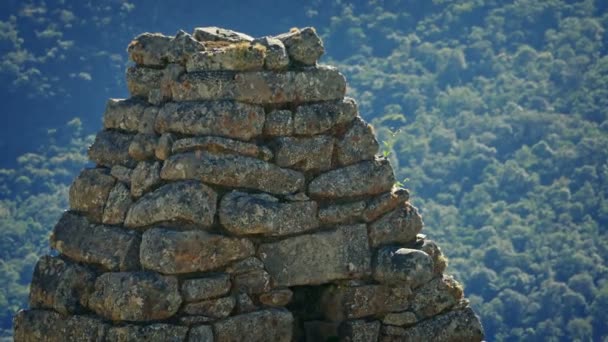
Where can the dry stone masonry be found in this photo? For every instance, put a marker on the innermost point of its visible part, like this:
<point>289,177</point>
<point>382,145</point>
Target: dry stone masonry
<point>238,196</point>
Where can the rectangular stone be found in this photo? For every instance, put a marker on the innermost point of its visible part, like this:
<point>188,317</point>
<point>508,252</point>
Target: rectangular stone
<point>339,254</point>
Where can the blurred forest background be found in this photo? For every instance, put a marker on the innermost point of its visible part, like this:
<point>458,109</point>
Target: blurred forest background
<point>494,113</point>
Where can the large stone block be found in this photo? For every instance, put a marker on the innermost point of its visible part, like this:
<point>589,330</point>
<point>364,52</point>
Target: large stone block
<point>173,252</point>
<point>157,332</point>
<point>219,118</point>
<point>339,254</point>
<point>89,192</point>
<point>216,308</point>
<point>304,153</point>
<point>303,46</point>
<point>211,286</point>
<point>135,296</point>
<point>311,119</point>
<point>39,326</point>
<point>85,328</point>
<point>436,296</point>
<point>145,177</point>
<point>60,285</point>
<point>384,203</point>
<point>183,202</point>
<point>232,171</point>
<point>117,205</point>
<point>260,326</point>
<point>218,34</point>
<point>362,179</point>
<point>359,331</point>
<point>357,144</point>
<point>112,248</point>
<point>156,50</point>
<point>402,266</point>
<point>345,303</point>
<point>246,214</point>
<point>141,80</point>
<point>111,148</point>
<point>399,226</point>
<point>124,114</point>
<point>237,57</point>
<point>222,145</point>
<point>276,55</point>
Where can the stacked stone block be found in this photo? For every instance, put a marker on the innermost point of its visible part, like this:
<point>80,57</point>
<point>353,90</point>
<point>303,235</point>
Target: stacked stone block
<point>238,196</point>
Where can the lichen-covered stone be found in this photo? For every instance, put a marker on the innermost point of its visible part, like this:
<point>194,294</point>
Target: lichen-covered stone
<point>244,304</point>
<point>405,318</point>
<point>344,303</point>
<point>90,191</point>
<point>261,326</point>
<point>201,333</point>
<point>436,296</point>
<point>252,282</point>
<point>278,123</point>
<point>342,213</point>
<point>119,201</point>
<point>219,118</point>
<point>399,226</point>
<point>222,145</point>
<point>216,308</point>
<point>362,179</point>
<point>142,146</point>
<point>460,325</point>
<point>218,34</point>
<point>402,266</point>
<point>164,146</point>
<point>276,55</point>
<point>185,201</point>
<point>339,254</point>
<point>112,248</point>
<point>212,286</point>
<point>121,173</point>
<point>303,46</point>
<point>311,119</point>
<point>135,296</point>
<point>357,144</point>
<point>85,328</point>
<point>440,262</point>
<point>124,114</point>
<point>146,123</point>
<point>60,285</point>
<point>157,332</point>
<point>38,326</point>
<point>246,214</point>
<point>237,57</point>
<point>276,298</point>
<point>142,80</point>
<point>384,203</point>
<point>246,265</point>
<point>359,331</point>
<point>149,49</point>
<point>232,171</point>
<point>111,148</point>
<point>173,252</point>
<point>145,177</point>
<point>304,153</point>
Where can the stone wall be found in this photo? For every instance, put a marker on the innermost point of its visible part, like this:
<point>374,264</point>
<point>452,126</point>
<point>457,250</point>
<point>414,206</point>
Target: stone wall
<point>238,196</point>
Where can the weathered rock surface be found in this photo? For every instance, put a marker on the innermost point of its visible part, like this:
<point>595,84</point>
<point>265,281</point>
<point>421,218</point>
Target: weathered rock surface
<point>439,261</point>
<point>278,123</point>
<point>261,326</point>
<point>303,46</point>
<point>114,249</point>
<point>358,143</point>
<point>222,145</point>
<point>405,318</point>
<point>60,285</point>
<point>345,303</point>
<point>304,153</point>
<point>247,214</point>
<point>359,331</point>
<point>316,118</point>
<point>172,252</point>
<point>141,80</point>
<point>238,57</point>
<point>399,226</point>
<point>142,146</point>
<point>111,148</point>
<point>186,201</point>
<point>124,114</point>
<point>201,333</point>
<point>152,333</point>
<point>216,308</point>
<point>218,34</point>
<point>135,296</point>
<point>362,179</point>
<point>342,213</point>
<point>39,325</point>
<point>117,204</point>
<point>402,266</point>
<point>164,146</point>
<point>276,54</point>
<point>156,50</point>
<point>232,171</point>
<point>276,298</point>
<point>212,286</point>
<point>145,177</point>
<point>436,296</point>
<point>89,192</point>
<point>384,203</point>
<point>339,254</point>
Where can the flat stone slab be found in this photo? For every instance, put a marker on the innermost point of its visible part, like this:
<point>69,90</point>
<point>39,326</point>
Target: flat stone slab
<point>158,332</point>
<point>242,56</point>
<point>111,148</point>
<point>339,254</point>
<point>112,248</point>
<point>399,226</point>
<point>232,171</point>
<point>173,252</point>
<point>135,296</point>
<point>247,214</point>
<point>261,326</point>
<point>216,308</point>
<point>304,153</point>
<point>366,178</point>
<point>402,266</point>
<point>89,192</point>
<point>124,114</point>
<point>185,201</point>
<point>213,286</point>
<point>316,118</point>
<point>218,118</point>
<point>222,145</point>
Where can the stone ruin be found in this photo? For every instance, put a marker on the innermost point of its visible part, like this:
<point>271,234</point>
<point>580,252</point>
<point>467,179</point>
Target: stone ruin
<point>238,196</point>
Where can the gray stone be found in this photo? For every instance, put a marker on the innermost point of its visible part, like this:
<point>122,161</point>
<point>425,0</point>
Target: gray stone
<point>304,153</point>
<point>384,203</point>
<point>39,326</point>
<point>405,318</point>
<point>461,325</point>
<point>261,326</point>
<point>60,285</point>
<point>149,49</point>
<point>244,304</point>
<point>85,328</point>
<point>182,47</point>
<point>357,144</point>
<point>276,54</point>
<point>192,321</point>
<point>252,282</point>
<point>341,213</point>
<point>124,114</point>
<point>341,303</point>
<point>216,308</point>
<point>142,146</point>
<point>303,46</point>
<point>141,80</point>
<point>399,226</point>
<point>278,123</point>
<point>236,57</point>
<point>436,296</point>
<point>146,124</point>
<point>201,333</point>
<point>218,34</point>
<point>157,332</point>
<point>359,331</point>
<point>172,252</point>
<point>440,262</point>
<point>222,145</point>
<point>362,179</point>
<point>339,254</point>
<point>394,265</point>
<point>135,296</point>
<point>114,249</point>
<point>220,118</point>
<point>245,214</point>
<point>117,205</point>
<point>276,298</point>
<point>89,192</point>
<point>111,148</point>
<point>246,265</point>
<point>232,171</point>
<point>121,173</point>
<point>164,146</point>
<point>145,177</point>
<point>212,286</point>
<point>185,201</point>
<point>311,119</point>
